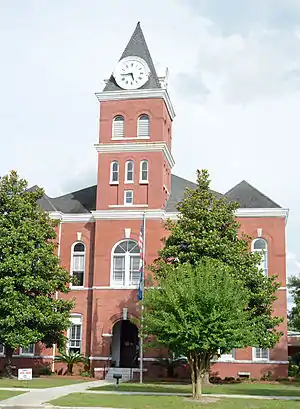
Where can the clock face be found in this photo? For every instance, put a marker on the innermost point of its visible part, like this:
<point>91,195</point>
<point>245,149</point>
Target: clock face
<point>131,73</point>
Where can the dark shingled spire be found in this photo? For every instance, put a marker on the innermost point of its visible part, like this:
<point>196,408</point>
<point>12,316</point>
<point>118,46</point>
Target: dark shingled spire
<point>137,46</point>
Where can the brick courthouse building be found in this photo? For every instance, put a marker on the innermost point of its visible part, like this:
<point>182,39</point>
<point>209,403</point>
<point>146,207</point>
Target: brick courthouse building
<point>99,225</point>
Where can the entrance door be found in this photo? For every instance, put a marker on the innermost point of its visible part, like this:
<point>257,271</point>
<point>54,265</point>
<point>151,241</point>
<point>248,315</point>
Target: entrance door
<point>128,345</point>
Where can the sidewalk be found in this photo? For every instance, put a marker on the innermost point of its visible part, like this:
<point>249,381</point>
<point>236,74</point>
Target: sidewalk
<point>39,396</point>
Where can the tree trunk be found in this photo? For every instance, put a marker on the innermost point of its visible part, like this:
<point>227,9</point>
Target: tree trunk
<point>8,365</point>
<point>70,369</point>
<point>206,378</point>
<point>198,394</point>
<point>191,363</point>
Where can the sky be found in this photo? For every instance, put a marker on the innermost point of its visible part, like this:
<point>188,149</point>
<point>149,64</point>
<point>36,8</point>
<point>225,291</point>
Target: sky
<point>234,81</point>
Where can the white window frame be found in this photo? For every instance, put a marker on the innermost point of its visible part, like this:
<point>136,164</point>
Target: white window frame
<point>3,349</point>
<point>76,319</point>
<point>141,172</point>
<point>127,282</point>
<point>113,132</point>
<point>72,263</point>
<point>21,352</point>
<point>254,358</point>
<point>264,264</point>
<point>125,203</point>
<point>138,127</point>
<point>128,181</point>
<point>228,356</point>
<point>111,181</point>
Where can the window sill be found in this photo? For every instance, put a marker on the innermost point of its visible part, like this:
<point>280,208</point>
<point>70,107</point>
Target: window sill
<point>26,355</point>
<point>129,182</point>
<point>124,287</point>
<point>144,182</point>
<point>76,287</point>
<point>113,183</point>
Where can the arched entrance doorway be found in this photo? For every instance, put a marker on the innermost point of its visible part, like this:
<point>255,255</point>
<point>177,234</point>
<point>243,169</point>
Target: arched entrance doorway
<point>125,344</point>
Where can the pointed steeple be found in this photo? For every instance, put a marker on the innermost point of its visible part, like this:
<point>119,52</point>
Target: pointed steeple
<point>137,46</point>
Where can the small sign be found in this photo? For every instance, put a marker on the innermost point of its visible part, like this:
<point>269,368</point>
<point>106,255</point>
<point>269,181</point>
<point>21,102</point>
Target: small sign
<point>24,374</point>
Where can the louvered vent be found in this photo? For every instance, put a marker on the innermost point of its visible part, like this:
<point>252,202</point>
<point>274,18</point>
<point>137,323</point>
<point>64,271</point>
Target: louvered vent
<point>118,127</point>
<point>143,126</point>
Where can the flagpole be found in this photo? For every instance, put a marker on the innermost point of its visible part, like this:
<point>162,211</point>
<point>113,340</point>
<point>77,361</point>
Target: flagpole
<point>142,301</point>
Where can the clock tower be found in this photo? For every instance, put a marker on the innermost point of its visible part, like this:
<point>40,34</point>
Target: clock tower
<point>135,133</point>
<point>134,182</point>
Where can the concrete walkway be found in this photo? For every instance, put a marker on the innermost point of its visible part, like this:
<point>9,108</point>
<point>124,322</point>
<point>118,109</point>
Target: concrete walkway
<point>37,397</point>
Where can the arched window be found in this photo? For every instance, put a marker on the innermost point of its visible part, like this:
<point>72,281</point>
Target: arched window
<point>144,171</point>
<point>129,171</point>
<point>114,172</point>
<point>260,245</point>
<point>118,127</point>
<point>78,265</point>
<point>143,127</point>
<point>125,264</point>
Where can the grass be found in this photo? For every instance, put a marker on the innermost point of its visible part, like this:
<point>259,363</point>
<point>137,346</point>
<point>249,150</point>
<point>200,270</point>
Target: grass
<point>166,402</point>
<point>39,383</point>
<point>264,389</point>
<point>8,394</point>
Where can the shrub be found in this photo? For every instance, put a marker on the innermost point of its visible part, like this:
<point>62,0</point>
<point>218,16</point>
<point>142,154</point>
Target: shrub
<point>267,376</point>
<point>253,379</point>
<point>293,370</point>
<point>229,379</point>
<point>44,370</point>
<point>85,374</point>
<point>215,379</point>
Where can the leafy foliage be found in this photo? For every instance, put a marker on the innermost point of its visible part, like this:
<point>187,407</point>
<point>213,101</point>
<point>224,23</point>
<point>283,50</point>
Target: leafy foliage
<point>197,310</point>
<point>30,274</point>
<point>207,227</point>
<point>170,363</point>
<point>71,359</point>
<point>294,316</point>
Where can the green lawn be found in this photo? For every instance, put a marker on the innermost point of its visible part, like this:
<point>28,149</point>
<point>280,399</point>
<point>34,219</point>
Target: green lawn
<point>166,402</point>
<point>264,389</point>
<point>9,394</point>
<point>39,383</point>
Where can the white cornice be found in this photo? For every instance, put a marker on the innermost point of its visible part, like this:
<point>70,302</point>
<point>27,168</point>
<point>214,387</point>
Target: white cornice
<point>137,147</point>
<point>138,94</point>
<point>128,214</point>
<point>272,212</point>
<point>152,214</point>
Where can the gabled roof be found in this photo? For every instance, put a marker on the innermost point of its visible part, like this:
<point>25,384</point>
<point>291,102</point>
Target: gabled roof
<point>84,200</point>
<point>178,186</point>
<point>137,46</point>
<point>249,197</point>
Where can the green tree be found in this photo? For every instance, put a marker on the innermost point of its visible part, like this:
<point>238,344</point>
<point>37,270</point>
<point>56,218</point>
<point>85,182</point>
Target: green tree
<point>198,311</point>
<point>294,315</point>
<point>207,227</point>
<point>70,359</point>
<point>30,274</point>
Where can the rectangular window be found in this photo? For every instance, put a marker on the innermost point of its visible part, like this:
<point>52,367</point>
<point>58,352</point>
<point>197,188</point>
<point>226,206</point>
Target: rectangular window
<point>78,270</point>
<point>119,270</point>
<point>135,263</point>
<point>260,354</point>
<point>1,349</point>
<point>128,197</point>
<point>228,357</point>
<point>75,338</point>
<point>29,350</point>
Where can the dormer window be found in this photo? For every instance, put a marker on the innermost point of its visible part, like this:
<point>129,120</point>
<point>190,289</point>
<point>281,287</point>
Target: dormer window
<point>129,171</point>
<point>143,126</point>
<point>118,127</point>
